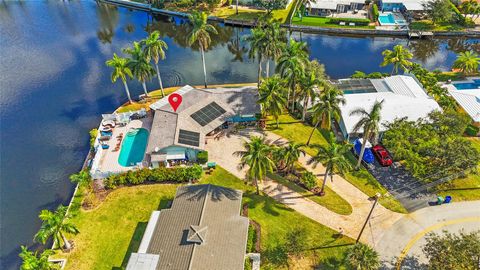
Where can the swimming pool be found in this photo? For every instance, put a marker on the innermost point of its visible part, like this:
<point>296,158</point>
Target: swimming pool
<point>133,147</point>
<point>475,84</point>
<point>386,19</point>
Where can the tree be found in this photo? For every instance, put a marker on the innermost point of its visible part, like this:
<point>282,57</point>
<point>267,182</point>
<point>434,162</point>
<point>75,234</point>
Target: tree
<point>467,62</point>
<point>55,225</point>
<point>257,155</point>
<point>369,123</point>
<point>84,180</point>
<point>257,41</point>
<point>292,65</point>
<point>296,241</point>
<point>471,7</point>
<point>439,11</point>
<point>327,108</point>
<point>201,33</point>
<point>399,58</point>
<point>275,42</point>
<point>362,257</point>
<point>309,85</point>
<point>332,156</point>
<point>140,65</point>
<point>289,154</point>
<point>120,70</point>
<point>453,251</point>
<point>309,180</point>
<point>37,261</point>
<point>272,97</point>
<point>270,5</point>
<point>154,49</point>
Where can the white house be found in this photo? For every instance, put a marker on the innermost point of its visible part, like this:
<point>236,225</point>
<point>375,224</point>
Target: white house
<point>467,95</point>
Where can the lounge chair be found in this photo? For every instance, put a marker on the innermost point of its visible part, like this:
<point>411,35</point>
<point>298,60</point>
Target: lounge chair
<point>351,24</point>
<point>342,23</point>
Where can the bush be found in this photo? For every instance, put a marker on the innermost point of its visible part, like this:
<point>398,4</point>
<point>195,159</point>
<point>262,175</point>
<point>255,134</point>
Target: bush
<point>363,22</point>
<point>309,180</point>
<point>93,135</point>
<point>472,130</point>
<point>252,239</point>
<point>159,175</point>
<point>375,12</point>
<point>202,157</point>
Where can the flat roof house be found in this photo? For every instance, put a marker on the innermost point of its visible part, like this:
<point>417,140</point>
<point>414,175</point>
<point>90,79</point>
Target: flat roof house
<point>203,230</point>
<point>328,7</point>
<point>181,134</point>
<point>401,5</point>
<point>403,96</point>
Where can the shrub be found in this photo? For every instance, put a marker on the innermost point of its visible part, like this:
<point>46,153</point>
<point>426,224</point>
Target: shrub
<point>296,241</point>
<point>357,21</point>
<point>375,12</point>
<point>252,239</point>
<point>93,135</point>
<point>202,157</point>
<point>309,180</point>
<point>472,130</point>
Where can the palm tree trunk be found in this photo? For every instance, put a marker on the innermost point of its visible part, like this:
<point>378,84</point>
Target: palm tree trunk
<point>204,68</point>
<point>305,102</point>
<point>159,79</point>
<point>128,91</point>
<point>256,184</point>
<point>276,118</point>
<point>236,6</point>
<point>362,151</point>
<point>67,244</point>
<point>267,69</point>
<point>145,88</point>
<point>260,60</point>
<point>322,190</point>
<point>313,130</point>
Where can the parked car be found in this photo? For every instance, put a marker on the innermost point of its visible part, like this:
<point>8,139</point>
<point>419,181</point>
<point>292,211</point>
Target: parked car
<point>382,155</point>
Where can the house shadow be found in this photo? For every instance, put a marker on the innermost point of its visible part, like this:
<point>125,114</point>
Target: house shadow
<point>134,244</point>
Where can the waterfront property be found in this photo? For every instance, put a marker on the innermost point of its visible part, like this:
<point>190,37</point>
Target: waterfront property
<point>467,95</point>
<point>412,6</point>
<point>202,115</point>
<point>403,97</point>
<point>202,230</point>
<point>326,8</point>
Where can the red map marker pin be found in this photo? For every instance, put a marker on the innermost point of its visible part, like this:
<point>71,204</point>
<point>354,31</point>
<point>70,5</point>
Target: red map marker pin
<point>175,100</point>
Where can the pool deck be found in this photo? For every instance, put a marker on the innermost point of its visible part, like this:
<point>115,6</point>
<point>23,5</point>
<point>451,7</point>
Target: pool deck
<point>108,162</point>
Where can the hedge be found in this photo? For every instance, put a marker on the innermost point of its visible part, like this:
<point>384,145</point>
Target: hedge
<point>157,175</point>
<point>357,21</point>
<point>202,157</point>
<point>472,130</point>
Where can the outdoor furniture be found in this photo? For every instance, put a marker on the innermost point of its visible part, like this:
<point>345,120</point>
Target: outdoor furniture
<point>448,199</point>
<point>342,23</point>
<point>351,24</point>
<point>104,146</point>
<point>440,200</point>
<point>211,165</point>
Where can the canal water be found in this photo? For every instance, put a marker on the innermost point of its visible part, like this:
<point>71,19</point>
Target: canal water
<point>54,85</point>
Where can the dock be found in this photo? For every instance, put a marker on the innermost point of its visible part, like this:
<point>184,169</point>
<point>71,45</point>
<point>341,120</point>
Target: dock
<point>419,34</point>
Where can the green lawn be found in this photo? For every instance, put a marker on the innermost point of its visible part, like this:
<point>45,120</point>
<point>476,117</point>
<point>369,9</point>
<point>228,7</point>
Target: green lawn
<point>295,130</point>
<point>427,25</point>
<point>249,14</point>
<point>325,22</point>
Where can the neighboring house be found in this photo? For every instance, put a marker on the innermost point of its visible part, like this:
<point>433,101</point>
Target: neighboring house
<point>203,230</point>
<point>401,5</point>
<point>467,95</point>
<point>328,7</point>
<point>181,134</point>
<point>403,97</point>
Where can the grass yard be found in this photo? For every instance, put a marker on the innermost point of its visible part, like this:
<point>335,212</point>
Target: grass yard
<point>295,130</point>
<point>251,14</point>
<point>325,22</point>
<point>427,25</point>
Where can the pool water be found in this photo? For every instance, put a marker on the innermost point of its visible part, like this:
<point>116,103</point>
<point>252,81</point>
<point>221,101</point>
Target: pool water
<point>133,147</point>
<point>386,19</point>
<point>470,85</point>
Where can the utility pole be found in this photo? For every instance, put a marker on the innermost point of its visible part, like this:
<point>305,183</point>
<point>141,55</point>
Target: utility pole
<point>377,196</point>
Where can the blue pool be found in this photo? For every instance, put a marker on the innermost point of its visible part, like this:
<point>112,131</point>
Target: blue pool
<point>133,147</point>
<point>386,19</point>
<point>468,85</point>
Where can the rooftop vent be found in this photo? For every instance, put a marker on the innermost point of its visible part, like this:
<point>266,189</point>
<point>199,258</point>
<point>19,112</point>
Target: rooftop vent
<point>197,234</point>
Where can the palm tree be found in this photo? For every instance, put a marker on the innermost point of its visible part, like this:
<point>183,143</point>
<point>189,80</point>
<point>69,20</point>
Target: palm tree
<point>120,70</point>
<point>37,261</point>
<point>257,40</point>
<point>369,122</point>
<point>257,155</point>
<point>272,97</point>
<point>140,65</point>
<point>327,108</point>
<point>201,33</point>
<point>399,58</point>
<point>290,154</point>
<point>275,42</point>
<point>332,156</point>
<point>292,64</point>
<point>363,257</point>
<point>83,179</point>
<point>467,62</point>
<point>154,48</point>
<point>308,89</point>
<point>54,225</point>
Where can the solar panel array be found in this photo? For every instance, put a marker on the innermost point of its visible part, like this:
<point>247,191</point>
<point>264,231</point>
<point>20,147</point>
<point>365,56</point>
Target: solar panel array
<point>189,137</point>
<point>207,114</point>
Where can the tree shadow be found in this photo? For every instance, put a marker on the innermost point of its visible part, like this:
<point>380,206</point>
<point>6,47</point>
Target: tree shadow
<point>330,263</point>
<point>216,193</point>
<point>134,244</point>
<point>276,255</point>
<point>269,205</point>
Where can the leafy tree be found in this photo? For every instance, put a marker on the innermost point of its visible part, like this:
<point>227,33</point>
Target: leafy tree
<point>332,156</point>
<point>200,33</point>
<point>120,70</point>
<point>296,241</point>
<point>37,261</point>
<point>362,257</point>
<point>453,251</point>
<point>55,225</point>
<point>270,5</point>
<point>326,108</point>
<point>272,97</point>
<point>369,123</point>
<point>309,180</point>
<point>399,58</point>
<point>439,11</point>
<point>139,64</point>
<point>467,62</point>
<point>257,155</point>
<point>154,49</point>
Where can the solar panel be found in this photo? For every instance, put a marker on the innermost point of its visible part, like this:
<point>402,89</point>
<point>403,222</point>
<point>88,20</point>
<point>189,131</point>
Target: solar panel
<point>189,137</point>
<point>207,114</point>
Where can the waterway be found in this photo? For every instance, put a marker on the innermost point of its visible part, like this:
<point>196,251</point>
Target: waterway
<point>54,86</point>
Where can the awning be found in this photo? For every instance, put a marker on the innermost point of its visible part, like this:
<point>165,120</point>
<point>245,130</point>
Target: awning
<point>176,155</point>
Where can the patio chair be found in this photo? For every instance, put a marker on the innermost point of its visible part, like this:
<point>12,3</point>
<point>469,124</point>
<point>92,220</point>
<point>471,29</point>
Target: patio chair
<point>351,24</point>
<point>342,23</point>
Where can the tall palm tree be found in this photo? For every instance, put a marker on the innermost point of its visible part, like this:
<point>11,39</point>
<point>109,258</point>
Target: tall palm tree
<point>272,97</point>
<point>258,42</point>
<point>201,33</point>
<point>369,123</point>
<point>37,261</point>
<point>120,70</point>
<point>292,64</point>
<point>467,62</point>
<point>399,58</point>
<point>308,89</point>
<point>332,156</point>
<point>154,49</point>
<point>55,225</point>
<point>290,154</point>
<point>83,179</point>
<point>363,257</point>
<point>327,108</point>
<point>275,42</point>
<point>257,155</point>
<point>140,65</point>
